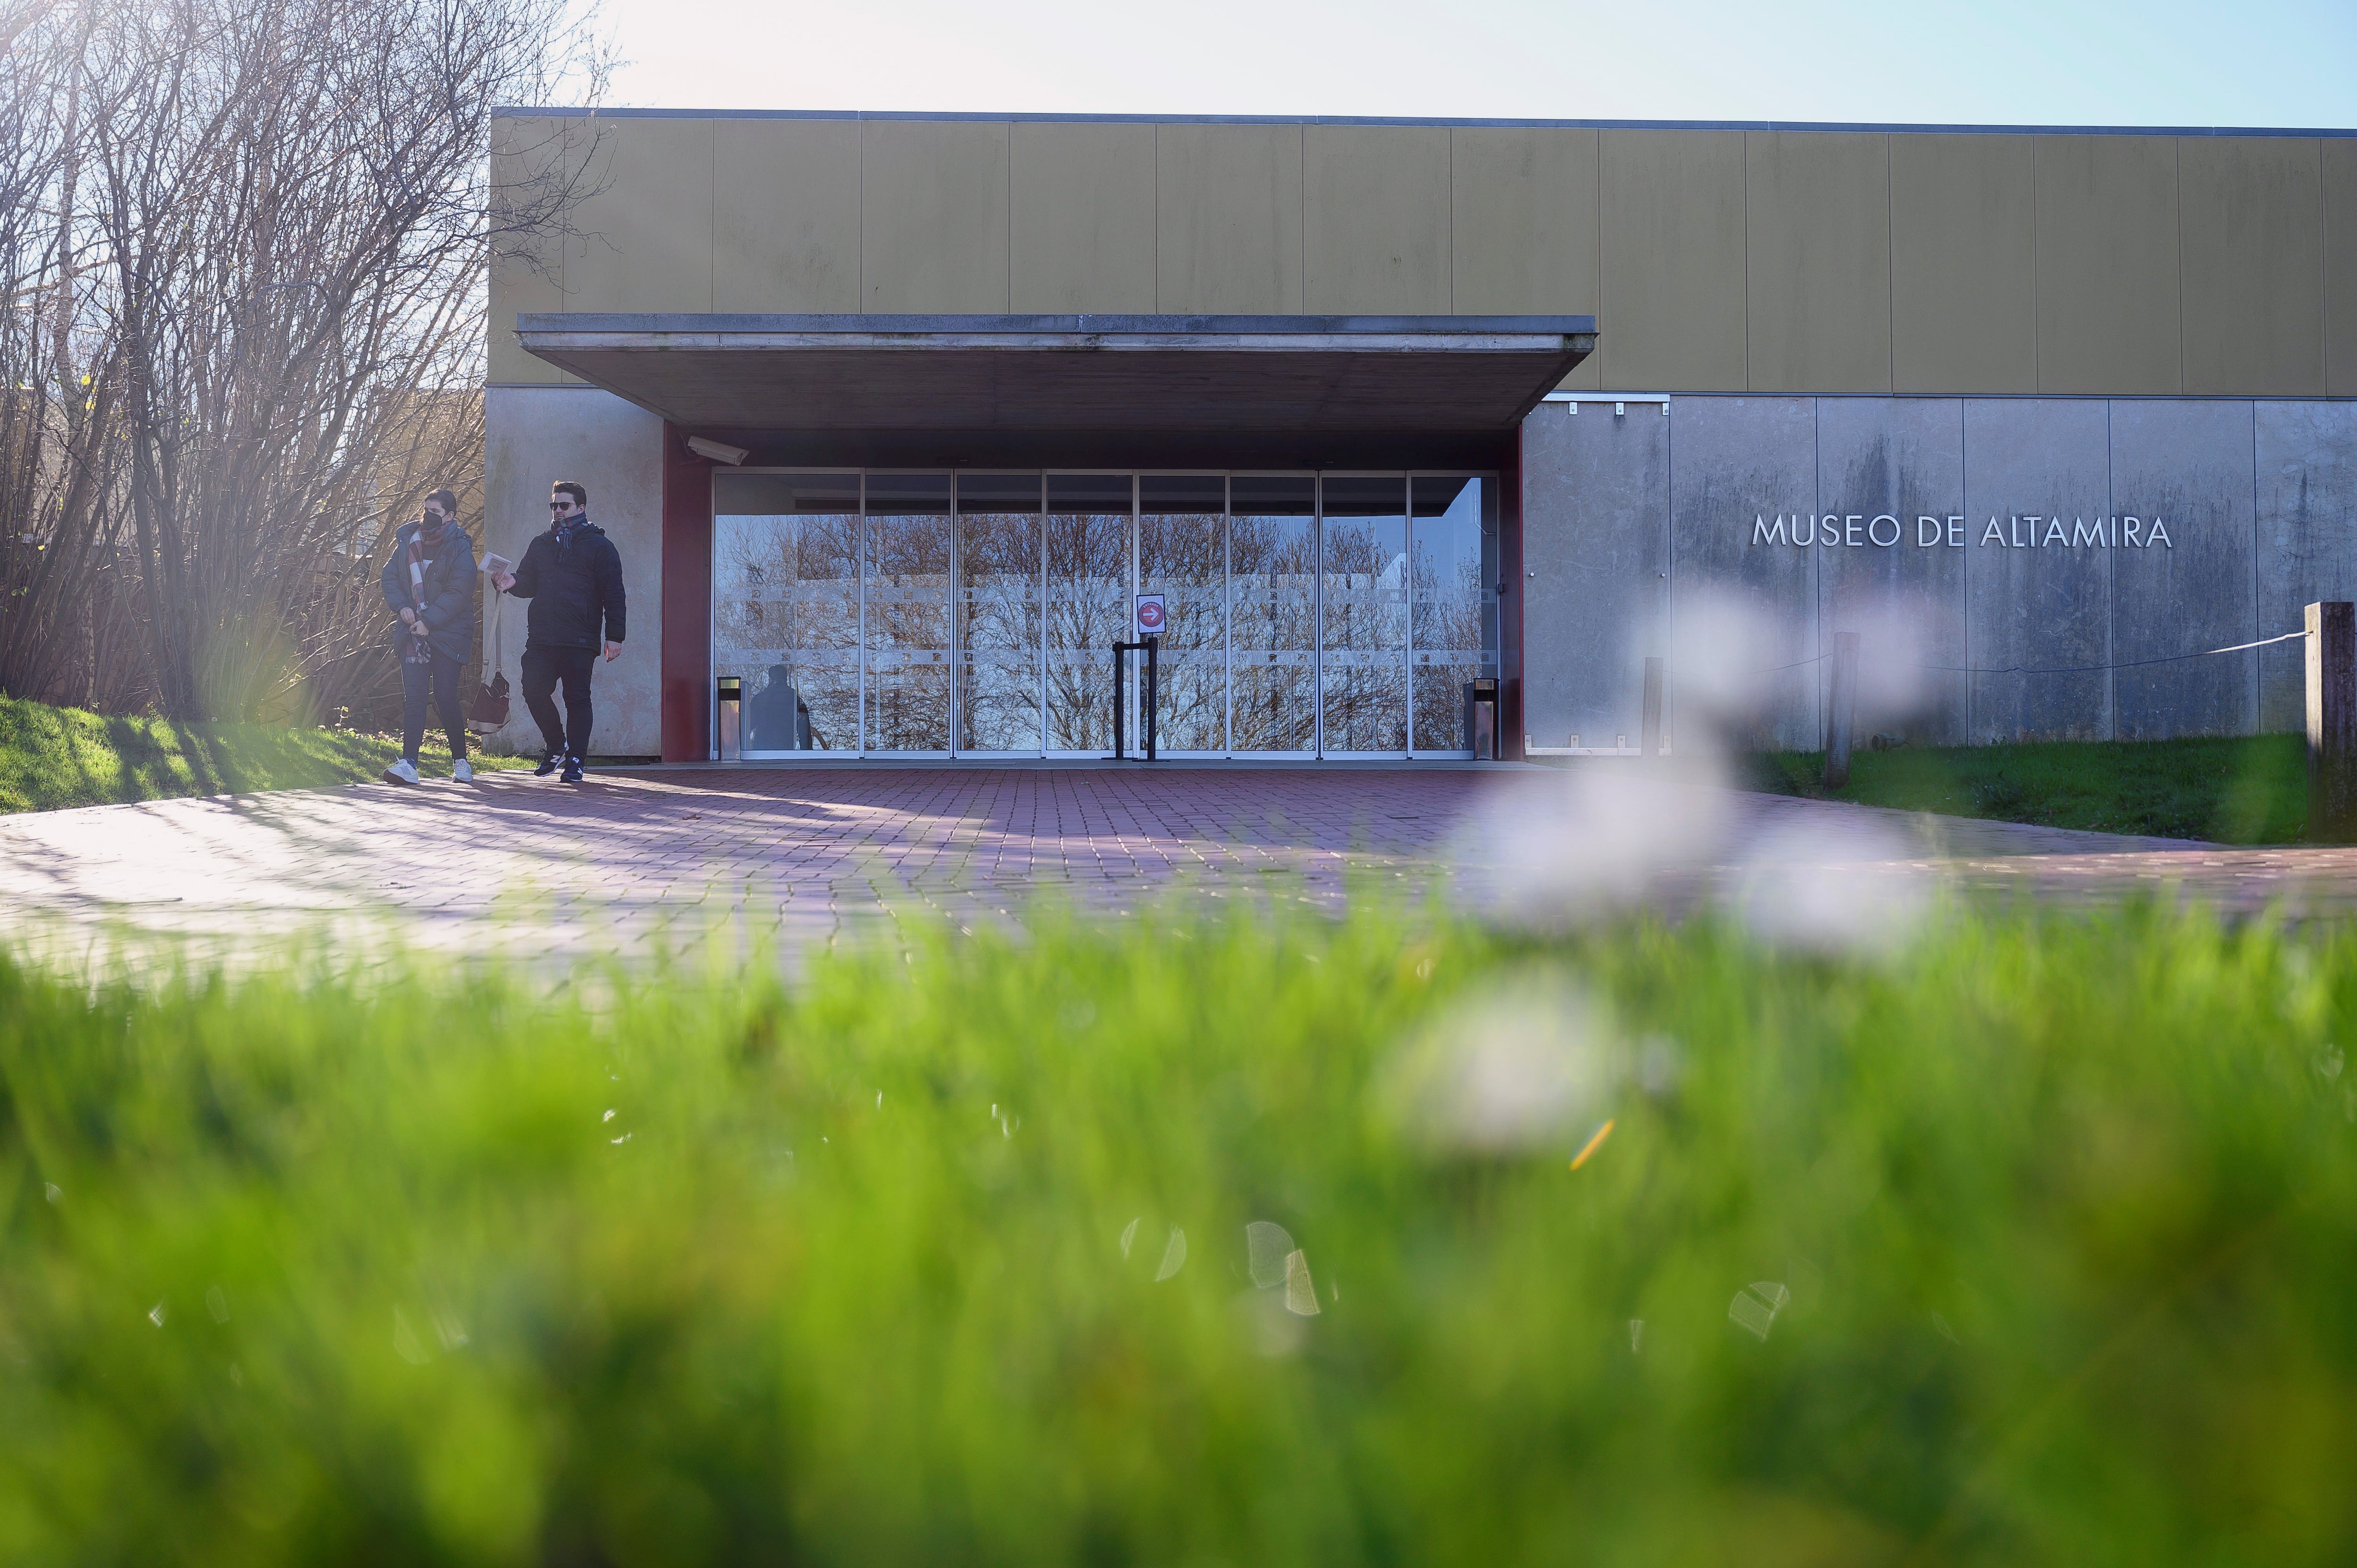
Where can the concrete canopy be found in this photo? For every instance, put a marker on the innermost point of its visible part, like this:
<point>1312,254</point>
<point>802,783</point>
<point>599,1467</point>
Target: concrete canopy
<point>1321,373</point>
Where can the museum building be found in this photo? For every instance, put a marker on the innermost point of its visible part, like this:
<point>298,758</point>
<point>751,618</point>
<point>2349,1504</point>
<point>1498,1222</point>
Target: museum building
<point>1425,433</point>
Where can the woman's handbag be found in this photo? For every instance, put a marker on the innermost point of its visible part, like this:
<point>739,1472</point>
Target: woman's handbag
<point>490,708</point>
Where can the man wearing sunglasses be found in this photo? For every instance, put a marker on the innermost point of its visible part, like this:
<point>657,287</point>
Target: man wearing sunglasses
<point>573,576</point>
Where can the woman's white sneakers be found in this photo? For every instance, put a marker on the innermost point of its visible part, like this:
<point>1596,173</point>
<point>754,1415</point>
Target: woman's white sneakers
<point>401,770</point>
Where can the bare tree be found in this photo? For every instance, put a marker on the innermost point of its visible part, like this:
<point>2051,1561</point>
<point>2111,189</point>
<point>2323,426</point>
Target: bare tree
<point>279,218</point>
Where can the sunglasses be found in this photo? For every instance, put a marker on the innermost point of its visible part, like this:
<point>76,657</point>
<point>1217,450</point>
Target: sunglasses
<point>560,506</point>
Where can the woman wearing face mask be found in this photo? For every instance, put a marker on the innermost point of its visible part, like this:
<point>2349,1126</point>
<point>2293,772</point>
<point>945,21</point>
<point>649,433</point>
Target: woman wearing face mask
<point>429,584</point>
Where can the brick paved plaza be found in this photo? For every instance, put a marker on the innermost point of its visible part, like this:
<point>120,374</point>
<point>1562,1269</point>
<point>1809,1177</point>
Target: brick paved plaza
<point>639,858</point>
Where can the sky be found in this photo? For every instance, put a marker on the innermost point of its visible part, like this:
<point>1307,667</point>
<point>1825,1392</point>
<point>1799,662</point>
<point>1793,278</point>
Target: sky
<point>2162,62</point>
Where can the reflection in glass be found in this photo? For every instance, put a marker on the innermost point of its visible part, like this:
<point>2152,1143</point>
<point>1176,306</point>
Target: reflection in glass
<point>907,640</point>
<point>998,603</point>
<point>1182,554</point>
<point>785,606</point>
<point>1088,605</point>
<point>1452,578</point>
<point>1273,612</point>
<point>1362,656</point>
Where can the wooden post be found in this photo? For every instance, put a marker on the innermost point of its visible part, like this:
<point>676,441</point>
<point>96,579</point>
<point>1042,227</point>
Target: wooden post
<point>2333,722</point>
<point>1649,723</point>
<point>1844,708</point>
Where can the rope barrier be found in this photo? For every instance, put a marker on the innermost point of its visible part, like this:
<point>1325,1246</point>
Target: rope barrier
<point>2058,670</point>
<point>2097,668</point>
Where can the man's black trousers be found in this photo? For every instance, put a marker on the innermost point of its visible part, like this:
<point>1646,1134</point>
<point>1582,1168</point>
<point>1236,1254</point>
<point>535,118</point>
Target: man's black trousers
<point>441,673</point>
<point>543,668</point>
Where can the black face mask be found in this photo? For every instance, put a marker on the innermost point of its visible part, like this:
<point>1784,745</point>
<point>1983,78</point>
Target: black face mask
<point>431,528</point>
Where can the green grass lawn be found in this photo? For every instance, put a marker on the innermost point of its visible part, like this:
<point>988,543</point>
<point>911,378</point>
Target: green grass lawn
<point>53,757</point>
<point>2032,1244</point>
<point>2250,789</point>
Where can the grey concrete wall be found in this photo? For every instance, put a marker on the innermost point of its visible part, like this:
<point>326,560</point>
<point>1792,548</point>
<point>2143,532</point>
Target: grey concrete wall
<point>1998,555</point>
<point>2032,606</point>
<point>1596,562</point>
<point>2305,494</point>
<point>1731,456</point>
<point>535,436</point>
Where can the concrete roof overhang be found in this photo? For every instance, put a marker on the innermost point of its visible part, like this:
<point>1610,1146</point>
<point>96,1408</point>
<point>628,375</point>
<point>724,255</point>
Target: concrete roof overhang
<point>1016,373</point>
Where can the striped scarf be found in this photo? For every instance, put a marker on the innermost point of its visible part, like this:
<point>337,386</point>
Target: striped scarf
<point>416,649</point>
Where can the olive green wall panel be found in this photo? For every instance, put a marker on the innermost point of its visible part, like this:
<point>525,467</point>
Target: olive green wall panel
<point>2251,227</point>
<point>2341,268</point>
<point>1818,273</point>
<point>644,240</point>
<point>785,220</point>
<point>1374,219</point>
<point>1522,226</point>
<point>1083,217</point>
<point>1949,263</point>
<point>1672,306</point>
<point>1228,219</point>
<point>933,220</point>
<point>521,283</point>
<point>1962,265</point>
<point>2107,264</point>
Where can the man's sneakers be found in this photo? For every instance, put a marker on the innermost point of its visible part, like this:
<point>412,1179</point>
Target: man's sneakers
<point>400,771</point>
<point>549,764</point>
<point>462,772</point>
<point>572,774</point>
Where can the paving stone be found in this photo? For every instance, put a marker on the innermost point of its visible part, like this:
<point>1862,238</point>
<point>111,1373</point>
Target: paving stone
<point>632,862</point>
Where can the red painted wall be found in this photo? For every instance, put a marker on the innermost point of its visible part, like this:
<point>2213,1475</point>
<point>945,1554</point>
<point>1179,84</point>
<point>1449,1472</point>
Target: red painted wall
<point>687,602</point>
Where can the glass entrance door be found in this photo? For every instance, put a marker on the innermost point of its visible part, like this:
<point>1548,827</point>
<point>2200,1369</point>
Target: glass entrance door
<point>907,602</point>
<point>785,607</point>
<point>1087,605</point>
<point>998,614</point>
<point>1362,617</point>
<point>1273,600</point>
<point>974,614</point>
<point>1182,554</point>
<point>1453,605</point>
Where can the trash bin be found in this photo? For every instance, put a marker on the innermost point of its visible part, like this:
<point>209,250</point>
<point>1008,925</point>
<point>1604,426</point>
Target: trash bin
<point>728,713</point>
<point>1481,718</point>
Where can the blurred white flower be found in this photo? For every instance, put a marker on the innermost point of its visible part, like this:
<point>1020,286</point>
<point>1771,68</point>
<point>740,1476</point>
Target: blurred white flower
<point>1561,852</point>
<point>1511,1069</point>
<point>1851,887</point>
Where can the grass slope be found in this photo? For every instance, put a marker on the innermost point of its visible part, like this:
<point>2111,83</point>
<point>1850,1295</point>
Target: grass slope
<point>2031,1245</point>
<point>54,758</point>
<point>2249,790</point>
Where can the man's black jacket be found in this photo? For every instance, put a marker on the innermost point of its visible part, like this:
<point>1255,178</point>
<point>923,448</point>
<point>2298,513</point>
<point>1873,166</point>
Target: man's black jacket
<point>450,591</point>
<point>573,587</point>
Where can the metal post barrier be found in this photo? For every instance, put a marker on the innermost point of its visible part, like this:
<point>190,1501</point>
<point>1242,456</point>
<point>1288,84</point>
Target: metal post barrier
<point>2333,722</point>
<point>1845,710</point>
<point>1121,651</point>
<point>1153,645</point>
<point>1649,722</point>
<point>1120,730</point>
